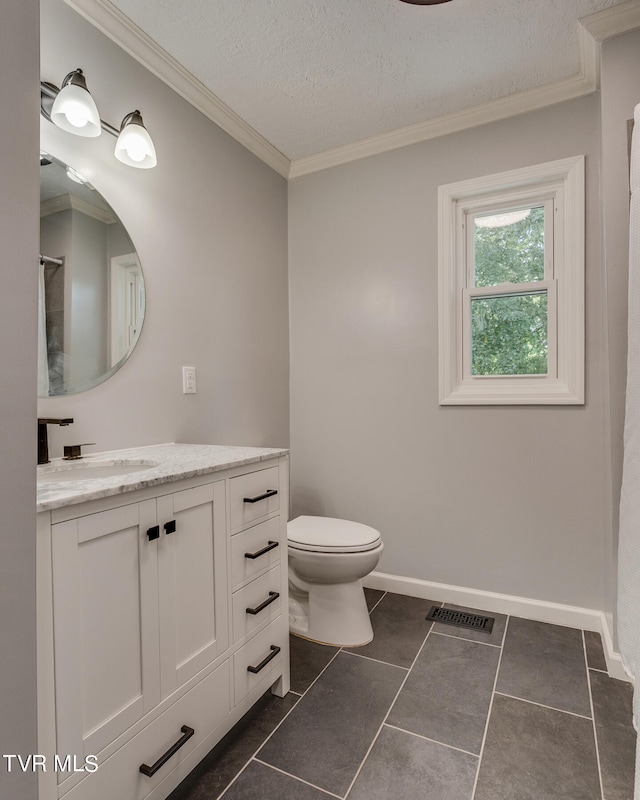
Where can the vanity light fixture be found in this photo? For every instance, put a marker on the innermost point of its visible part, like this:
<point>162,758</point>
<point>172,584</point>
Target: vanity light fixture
<point>72,108</point>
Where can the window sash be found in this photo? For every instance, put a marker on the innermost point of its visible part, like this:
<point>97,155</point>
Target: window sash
<point>468,222</point>
<point>548,287</point>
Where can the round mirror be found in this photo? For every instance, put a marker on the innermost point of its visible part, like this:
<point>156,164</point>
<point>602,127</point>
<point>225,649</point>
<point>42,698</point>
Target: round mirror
<point>92,300</point>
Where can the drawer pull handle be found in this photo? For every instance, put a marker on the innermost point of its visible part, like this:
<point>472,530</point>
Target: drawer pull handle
<point>274,652</point>
<point>170,527</point>
<point>153,533</point>
<point>187,732</point>
<point>272,597</point>
<point>268,493</point>
<point>270,546</point>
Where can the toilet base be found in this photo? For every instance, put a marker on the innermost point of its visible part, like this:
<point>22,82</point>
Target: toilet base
<point>334,614</point>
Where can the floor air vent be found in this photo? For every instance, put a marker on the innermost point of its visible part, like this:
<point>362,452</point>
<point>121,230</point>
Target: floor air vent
<point>460,618</point>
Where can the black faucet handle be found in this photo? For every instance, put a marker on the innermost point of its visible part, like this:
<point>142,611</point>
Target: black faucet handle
<point>48,421</point>
<point>72,452</point>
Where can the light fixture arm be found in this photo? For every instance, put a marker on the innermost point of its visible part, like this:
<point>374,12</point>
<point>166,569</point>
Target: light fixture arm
<point>134,117</point>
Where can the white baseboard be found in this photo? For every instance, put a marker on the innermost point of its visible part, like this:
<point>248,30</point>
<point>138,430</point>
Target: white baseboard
<point>587,619</point>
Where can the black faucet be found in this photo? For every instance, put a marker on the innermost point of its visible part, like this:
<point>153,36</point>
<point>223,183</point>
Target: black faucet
<point>43,442</point>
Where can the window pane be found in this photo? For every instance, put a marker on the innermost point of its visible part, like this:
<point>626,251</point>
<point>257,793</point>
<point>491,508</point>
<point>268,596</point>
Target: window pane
<point>509,335</point>
<point>509,247</point>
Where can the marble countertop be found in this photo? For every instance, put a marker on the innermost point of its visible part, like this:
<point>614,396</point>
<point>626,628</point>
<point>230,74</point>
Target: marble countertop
<point>138,467</point>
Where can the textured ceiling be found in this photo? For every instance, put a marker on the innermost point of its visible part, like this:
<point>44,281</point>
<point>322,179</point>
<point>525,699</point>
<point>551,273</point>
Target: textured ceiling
<point>311,75</point>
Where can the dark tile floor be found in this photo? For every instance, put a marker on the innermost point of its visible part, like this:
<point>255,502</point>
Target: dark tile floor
<point>433,712</point>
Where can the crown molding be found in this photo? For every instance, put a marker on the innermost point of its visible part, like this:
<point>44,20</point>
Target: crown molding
<point>66,202</point>
<point>585,82</point>
<point>108,19</point>
<point>613,21</point>
<point>492,111</point>
<point>592,30</point>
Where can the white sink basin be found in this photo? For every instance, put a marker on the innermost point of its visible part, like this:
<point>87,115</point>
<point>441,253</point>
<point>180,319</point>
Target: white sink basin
<point>91,470</point>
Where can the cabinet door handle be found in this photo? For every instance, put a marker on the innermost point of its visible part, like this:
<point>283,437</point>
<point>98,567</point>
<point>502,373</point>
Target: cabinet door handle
<point>170,527</point>
<point>274,652</point>
<point>187,732</point>
<point>270,546</point>
<point>153,533</point>
<point>273,596</point>
<point>268,493</point>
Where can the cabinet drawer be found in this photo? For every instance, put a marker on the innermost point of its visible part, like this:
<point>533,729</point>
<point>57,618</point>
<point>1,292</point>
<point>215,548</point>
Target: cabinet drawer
<point>262,596</point>
<point>202,708</point>
<point>252,551</point>
<point>261,655</point>
<point>253,496</point>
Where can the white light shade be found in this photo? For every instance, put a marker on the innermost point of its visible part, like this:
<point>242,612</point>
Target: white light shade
<point>134,146</point>
<point>74,111</point>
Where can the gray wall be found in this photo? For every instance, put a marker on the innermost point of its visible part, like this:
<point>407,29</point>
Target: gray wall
<point>19,222</point>
<point>82,241</point>
<point>620,82</point>
<point>506,499</point>
<point>56,233</point>
<point>209,224</point>
<point>119,243</point>
<point>86,271</point>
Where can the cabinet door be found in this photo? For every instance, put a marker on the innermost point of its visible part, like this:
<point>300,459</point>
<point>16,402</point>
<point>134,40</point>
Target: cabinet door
<point>105,590</point>
<point>192,565</point>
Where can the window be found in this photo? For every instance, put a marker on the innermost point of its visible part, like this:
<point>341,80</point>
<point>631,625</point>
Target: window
<point>511,287</point>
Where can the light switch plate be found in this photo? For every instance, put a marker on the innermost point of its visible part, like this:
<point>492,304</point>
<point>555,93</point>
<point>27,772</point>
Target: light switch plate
<point>188,380</point>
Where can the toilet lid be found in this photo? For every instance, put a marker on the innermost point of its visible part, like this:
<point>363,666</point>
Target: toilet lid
<point>326,534</point>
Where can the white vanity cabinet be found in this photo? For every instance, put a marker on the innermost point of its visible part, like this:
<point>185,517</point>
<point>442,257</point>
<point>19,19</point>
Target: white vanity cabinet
<point>160,615</point>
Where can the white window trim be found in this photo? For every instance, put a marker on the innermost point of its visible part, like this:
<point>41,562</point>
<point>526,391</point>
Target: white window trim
<point>564,384</point>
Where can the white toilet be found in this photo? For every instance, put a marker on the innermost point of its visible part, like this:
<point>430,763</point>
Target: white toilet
<point>327,559</point>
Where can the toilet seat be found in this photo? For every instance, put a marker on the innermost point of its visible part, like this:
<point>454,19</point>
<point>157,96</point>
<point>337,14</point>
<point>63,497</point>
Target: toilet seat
<point>330,535</point>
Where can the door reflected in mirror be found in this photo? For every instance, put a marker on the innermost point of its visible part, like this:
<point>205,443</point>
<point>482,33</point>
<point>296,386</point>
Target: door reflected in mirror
<point>92,297</point>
